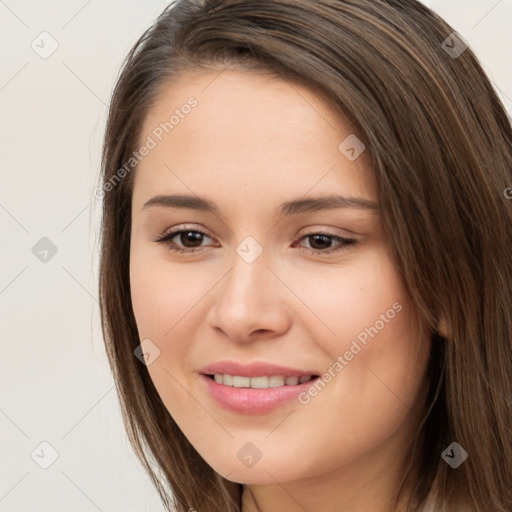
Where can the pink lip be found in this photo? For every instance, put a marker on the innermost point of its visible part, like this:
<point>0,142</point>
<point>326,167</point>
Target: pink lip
<point>256,369</point>
<point>248,400</point>
<point>253,401</point>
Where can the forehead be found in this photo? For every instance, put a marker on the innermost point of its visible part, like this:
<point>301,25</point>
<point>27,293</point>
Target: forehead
<point>251,133</point>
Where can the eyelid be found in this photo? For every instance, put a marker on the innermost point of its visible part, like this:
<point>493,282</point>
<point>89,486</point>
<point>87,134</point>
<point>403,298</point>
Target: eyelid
<point>179,228</point>
<point>310,231</point>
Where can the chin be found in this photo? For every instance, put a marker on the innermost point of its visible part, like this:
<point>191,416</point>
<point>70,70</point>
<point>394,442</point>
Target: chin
<point>261,472</point>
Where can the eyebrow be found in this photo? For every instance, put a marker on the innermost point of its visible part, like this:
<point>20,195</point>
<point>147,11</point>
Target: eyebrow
<point>288,208</point>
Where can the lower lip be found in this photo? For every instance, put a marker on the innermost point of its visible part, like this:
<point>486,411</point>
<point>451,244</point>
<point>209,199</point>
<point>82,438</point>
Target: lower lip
<point>253,401</point>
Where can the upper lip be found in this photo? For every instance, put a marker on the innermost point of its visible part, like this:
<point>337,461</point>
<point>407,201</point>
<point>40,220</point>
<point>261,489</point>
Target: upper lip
<point>254,369</point>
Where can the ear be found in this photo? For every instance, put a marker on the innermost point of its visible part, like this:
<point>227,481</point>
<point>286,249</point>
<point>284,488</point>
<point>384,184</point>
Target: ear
<point>442,327</point>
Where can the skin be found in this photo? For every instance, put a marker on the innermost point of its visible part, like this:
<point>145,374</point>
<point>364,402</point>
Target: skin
<point>252,143</point>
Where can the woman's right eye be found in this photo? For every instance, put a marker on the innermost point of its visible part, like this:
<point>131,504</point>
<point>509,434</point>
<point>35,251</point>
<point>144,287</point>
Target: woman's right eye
<point>185,236</point>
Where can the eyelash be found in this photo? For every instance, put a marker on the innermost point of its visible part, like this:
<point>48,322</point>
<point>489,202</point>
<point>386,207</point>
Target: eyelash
<point>345,242</point>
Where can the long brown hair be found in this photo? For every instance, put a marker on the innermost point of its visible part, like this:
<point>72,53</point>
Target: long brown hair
<point>440,144</point>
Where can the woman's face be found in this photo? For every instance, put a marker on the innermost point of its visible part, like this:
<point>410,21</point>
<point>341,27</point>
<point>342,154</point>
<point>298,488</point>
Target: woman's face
<point>261,289</point>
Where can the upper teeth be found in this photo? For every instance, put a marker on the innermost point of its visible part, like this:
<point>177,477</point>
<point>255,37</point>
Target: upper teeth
<point>275,381</point>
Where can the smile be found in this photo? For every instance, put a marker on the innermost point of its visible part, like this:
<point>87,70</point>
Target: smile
<point>263,382</point>
<point>255,395</point>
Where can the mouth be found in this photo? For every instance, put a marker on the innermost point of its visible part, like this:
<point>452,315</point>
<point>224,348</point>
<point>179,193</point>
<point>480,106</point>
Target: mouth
<point>260,382</point>
<point>255,395</point>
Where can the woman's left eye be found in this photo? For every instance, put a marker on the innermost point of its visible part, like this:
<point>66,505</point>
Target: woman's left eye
<point>194,237</point>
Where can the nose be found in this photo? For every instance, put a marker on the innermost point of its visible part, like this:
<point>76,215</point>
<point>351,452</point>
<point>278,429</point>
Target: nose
<point>250,303</point>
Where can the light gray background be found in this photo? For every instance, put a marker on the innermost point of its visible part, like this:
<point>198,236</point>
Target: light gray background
<point>55,383</point>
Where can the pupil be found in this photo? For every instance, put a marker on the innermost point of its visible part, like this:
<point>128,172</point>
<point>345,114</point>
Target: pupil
<point>192,236</point>
<point>325,238</point>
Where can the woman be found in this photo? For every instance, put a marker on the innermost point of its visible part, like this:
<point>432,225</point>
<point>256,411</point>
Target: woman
<point>257,369</point>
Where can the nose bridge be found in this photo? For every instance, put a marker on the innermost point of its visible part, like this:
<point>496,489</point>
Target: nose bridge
<point>249,280</point>
<point>248,298</point>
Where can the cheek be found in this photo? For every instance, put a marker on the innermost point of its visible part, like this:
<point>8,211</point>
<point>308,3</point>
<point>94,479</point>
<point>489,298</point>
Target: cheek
<point>371,336</point>
<point>353,301</point>
<point>165,305</point>
<point>168,300</point>
<point>163,297</point>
